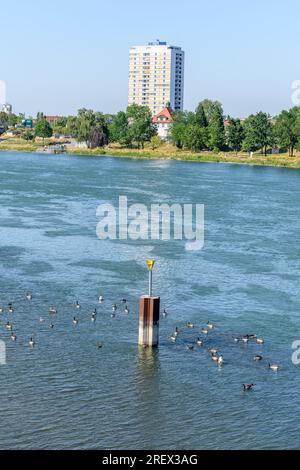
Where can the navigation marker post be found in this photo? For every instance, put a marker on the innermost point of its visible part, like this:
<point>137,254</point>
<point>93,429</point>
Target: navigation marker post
<point>149,314</point>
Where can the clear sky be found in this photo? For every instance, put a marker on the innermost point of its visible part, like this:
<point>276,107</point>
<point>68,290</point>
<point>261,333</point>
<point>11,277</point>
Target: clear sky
<point>58,56</point>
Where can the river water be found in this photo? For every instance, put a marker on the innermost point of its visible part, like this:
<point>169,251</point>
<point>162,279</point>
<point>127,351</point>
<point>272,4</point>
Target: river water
<point>67,393</point>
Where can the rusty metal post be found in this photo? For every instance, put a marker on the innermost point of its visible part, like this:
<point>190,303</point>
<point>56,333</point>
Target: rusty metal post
<point>149,315</point>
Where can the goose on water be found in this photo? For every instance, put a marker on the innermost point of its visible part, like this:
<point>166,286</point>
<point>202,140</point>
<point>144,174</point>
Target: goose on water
<point>199,342</point>
<point>28,296</point>
<point>204,331</point>
<point>190,324</point>
<point>100,298</point>
<point>220,360</point>
<point>8,326</point>
<point>258,357</point>
<point>52,311</point>
<point>126,310</point>
<point>248,387</point>
<point>260,340</point>
<point>213,350</point>
<point>13,337</point>
<point>77,305</point>
<point>210,325</point>
<point>274,367</point>
<point>75,321</point>
<point>31,342</point>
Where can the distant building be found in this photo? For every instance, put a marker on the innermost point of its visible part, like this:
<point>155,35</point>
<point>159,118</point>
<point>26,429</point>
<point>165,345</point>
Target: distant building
<point>156,76</point>
<point>7,108</point>
<point>53,119</point>
<point>163,121</point>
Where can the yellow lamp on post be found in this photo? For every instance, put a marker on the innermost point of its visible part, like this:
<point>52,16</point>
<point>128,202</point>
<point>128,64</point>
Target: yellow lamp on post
<point>150,265</point>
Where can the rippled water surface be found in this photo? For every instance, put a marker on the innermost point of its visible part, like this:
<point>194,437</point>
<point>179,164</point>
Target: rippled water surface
<point>66,393</point>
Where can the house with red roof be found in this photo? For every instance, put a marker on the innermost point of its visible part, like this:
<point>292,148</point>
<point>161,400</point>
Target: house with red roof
<point>163,121</point>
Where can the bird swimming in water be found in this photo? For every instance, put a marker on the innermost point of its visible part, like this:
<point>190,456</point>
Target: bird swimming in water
<point>126,310</point>
<point>99,345</point>
<point>213,350</point>
<point>52,311</point>
<point>114,308</point>
<point>100,299</point>
<point>8,326</point>
<point>260,341</point>
<point>247,387</point>
<point>94,316</point>
<point>199,342</point>
<point>10,308</point>
<point>257,358</point>
<point>210,325</point>
<point>123,301</point>
<point>164,313</point>
<point>77,305</point>
<point>190,347</point>
<point>220,360</point>
<point>28,296</point>
<point>204,331</point>
<point>13,337</point>
<point>176,332</point>
<point>236,339</point>
<point>31,342</point>
<point>51,325</point>
<point>75,321</point>
<point>1,309</point>
<point>245,339</point>
<point>173,337</point>
<point>214,357</point>
<point>273,367</point>
<point>190,324</point>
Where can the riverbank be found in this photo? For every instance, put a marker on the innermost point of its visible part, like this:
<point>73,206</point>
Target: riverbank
<point>165,152</point>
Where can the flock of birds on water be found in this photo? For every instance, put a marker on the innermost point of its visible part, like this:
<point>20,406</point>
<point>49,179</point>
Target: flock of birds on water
<point>214,352</point>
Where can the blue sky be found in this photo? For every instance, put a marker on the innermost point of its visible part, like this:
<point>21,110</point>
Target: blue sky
<point>58,56</point>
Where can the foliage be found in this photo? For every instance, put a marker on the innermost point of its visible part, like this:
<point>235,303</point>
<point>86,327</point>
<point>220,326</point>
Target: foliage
<point>140,128</point>
<point>155,142</point>
<point>258,133</point>
<point>28,135</point>
<point>216,135</point>
<point>287,129</point>
<point>234,134</point>
<point>43,129</point>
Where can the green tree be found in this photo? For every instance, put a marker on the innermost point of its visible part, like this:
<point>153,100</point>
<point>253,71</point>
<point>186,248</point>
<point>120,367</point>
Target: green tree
<point>200,116</point>
<point>119,129</point>
<point>40,116</point>
<point>83,126</point>
<point>43,129</point>
<point>234,134</point>
<point>258,133</point>
<point>177,134</point>
<point>28,135</point>
<point>287,129</point>
<point>141,128</point>
<point>216,134</point>
<point>195,137</point>
<point>209,108</point>
<point>155,142</point>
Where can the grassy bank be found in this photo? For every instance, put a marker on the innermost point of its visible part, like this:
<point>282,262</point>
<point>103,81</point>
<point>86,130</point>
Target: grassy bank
<point>282,160</point>
<point>167,152</point>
